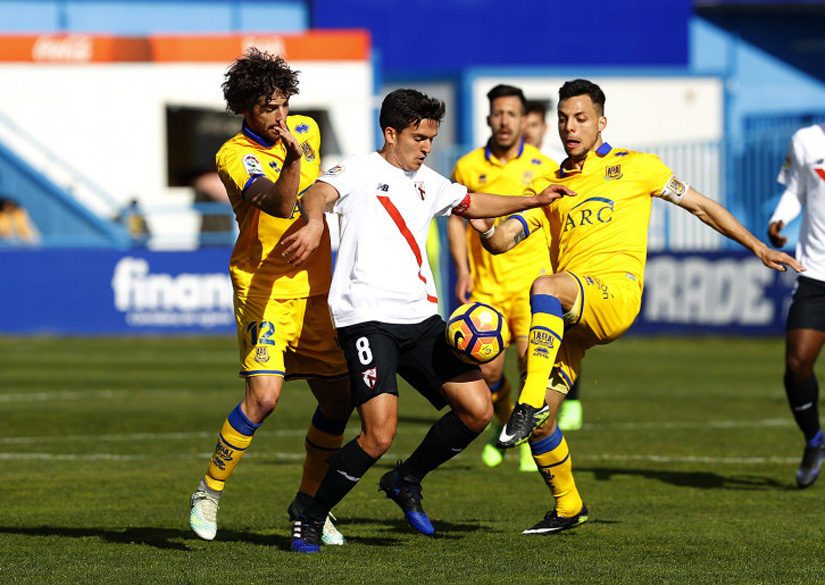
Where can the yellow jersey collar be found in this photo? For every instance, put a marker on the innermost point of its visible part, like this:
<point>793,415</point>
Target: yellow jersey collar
<point>257,139</point>
<point>602,151</point>
<point>490,157</point>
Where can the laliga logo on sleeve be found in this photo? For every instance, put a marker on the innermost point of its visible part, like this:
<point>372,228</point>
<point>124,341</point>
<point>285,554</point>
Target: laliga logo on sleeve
<point>252,165</point>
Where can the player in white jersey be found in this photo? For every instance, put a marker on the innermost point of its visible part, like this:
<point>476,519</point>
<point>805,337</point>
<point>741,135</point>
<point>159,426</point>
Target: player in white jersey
<point>803,176</point>
<point>384,305</point>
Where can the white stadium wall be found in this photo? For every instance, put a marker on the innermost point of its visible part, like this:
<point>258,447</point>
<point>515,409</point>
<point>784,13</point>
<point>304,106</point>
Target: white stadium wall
<point>640,110</point>
<point>679,118</point>
<point>106,119</point>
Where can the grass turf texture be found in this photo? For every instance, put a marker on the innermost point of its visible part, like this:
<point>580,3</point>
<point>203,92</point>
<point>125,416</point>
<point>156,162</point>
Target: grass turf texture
<point>686,461</point>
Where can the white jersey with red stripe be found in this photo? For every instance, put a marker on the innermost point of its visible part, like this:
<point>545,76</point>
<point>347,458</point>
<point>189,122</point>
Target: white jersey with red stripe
<point>803,176</point>
<point>381,270</point>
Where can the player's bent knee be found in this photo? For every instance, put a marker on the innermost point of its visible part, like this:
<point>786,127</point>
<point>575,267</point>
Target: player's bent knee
<point>376,444</point>
<point>476,415</point>
<point>543,285</point>
<point>258,407</point>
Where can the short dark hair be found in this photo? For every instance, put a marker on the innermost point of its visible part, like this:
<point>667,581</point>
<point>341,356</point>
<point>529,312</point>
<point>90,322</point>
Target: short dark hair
<point>502,90</point>
<point>254,76</point>
<point>583,87</point>
<point>539,107</point>
<point>403,107</point>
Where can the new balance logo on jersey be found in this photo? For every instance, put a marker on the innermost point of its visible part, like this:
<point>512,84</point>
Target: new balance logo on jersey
<point>370,376</point>
<point>383,187</point>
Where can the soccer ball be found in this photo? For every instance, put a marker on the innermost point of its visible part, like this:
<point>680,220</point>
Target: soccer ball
<point>477,333</point>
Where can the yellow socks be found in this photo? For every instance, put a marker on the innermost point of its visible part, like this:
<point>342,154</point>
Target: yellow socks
<point>323,440</point>
<point>546,331</point>
<point>502,405</point>
<point>553,459</point>
<point>233,441</point>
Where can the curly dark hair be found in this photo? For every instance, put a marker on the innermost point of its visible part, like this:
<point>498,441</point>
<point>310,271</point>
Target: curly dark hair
<point>403,107</point>
<point>255,76</point>
<point>579,87</point>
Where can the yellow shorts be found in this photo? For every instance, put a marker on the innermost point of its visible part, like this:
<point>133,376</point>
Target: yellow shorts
<point>608,305</point>
<point>516,311</point>
<point>291,338</point>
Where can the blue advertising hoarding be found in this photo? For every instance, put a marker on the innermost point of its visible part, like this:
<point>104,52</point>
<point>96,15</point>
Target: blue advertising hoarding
<point>101,292</point>
<point>79,292</point>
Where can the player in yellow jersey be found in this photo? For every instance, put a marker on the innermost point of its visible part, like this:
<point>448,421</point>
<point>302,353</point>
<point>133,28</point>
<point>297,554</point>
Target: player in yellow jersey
<point>506,165</point>
<point>598,241</point>
<point>570,416</point>
<point>284,327</point>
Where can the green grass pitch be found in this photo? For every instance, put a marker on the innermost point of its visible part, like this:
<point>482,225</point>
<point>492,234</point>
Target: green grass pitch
<point>686,461</point>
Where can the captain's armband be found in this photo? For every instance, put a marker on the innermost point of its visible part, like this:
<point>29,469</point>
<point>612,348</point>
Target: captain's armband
<point>463,206</point>
<point>674,190</point>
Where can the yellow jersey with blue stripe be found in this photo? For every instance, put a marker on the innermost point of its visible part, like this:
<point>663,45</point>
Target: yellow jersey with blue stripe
<point>481,172</point>
<point>256,266</point>
<point>603,230</point>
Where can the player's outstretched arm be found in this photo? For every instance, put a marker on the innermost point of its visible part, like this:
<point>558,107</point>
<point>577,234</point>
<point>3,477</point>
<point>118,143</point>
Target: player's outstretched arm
<point>720,219</point>
<point>300,245</point>
<point>457,239</point>
<point>489,205</point>
<point>500,238</point>
<point>278,198</point>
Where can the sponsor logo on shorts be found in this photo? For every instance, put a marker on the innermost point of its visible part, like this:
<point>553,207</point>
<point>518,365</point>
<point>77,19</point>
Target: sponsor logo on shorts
<point>370,376</point>
<point>261,354</point>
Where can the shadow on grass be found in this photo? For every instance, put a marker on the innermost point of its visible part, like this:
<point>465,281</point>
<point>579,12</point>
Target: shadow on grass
<point>697,479</point>
<point>172,539</point>
<point>160,538</point>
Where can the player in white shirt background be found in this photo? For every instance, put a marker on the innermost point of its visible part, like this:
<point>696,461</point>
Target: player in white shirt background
<point>803,176</point>
<point>385,308</point>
